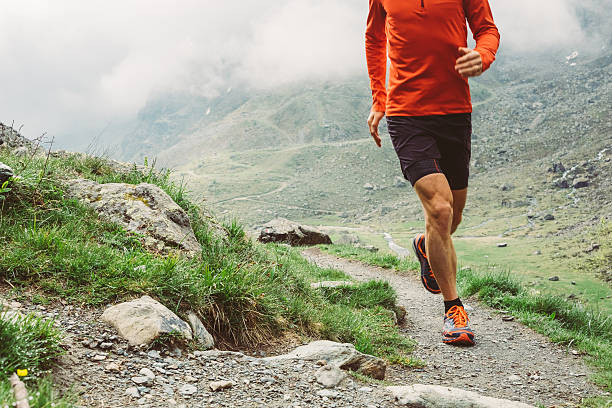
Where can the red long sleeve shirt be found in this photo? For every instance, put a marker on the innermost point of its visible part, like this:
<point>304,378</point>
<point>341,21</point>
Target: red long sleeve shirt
<point>423,37</point>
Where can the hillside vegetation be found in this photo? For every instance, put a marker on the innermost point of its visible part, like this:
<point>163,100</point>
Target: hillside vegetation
<point>56,249</point>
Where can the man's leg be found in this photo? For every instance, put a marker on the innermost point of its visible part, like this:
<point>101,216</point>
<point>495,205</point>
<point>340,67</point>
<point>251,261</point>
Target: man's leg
<point>459,199</point>
<point>437,199</point>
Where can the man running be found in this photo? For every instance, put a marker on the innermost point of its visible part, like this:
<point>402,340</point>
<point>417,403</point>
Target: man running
<point>428,109</point>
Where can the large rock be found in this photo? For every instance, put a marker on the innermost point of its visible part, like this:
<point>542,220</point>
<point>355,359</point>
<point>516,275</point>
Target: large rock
<point>143,320</point>
<point>144,209</point>
<point>342,355</point>
<point>5,173</point>
<point>437,396</point>
<point>283,230</point>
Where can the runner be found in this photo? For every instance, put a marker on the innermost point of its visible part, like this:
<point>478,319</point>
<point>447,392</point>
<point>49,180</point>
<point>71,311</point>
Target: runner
<point>428,109</point>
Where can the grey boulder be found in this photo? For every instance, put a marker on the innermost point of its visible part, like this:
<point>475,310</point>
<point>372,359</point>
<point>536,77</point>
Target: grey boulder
<point>437,396</point>
<point>341,355</point>
<point>143,320</point>
<point>143,209</point>
<point>289,232</point>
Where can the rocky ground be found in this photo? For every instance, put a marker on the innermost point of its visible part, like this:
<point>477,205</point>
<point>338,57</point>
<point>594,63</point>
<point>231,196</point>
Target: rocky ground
<point>509,361</point>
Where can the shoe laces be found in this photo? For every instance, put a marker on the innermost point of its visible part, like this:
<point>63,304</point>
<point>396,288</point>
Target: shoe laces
<point>459,316</point>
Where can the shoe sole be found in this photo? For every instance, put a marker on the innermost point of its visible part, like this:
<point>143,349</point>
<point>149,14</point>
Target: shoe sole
<point>423,280</point>
<point>464,339</point>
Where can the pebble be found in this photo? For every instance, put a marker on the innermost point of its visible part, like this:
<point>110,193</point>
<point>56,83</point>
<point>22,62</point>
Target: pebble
<point>220,385</point>
<point>132,392</point>
<point>147,373</point>
<point>98,357</point>
<point>141,380</point>
<point>554,279</point>
<point>188,390</point>
<point>328,393</point>
<point>114,367</point>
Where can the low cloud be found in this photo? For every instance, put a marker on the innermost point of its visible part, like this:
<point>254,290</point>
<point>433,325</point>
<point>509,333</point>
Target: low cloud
<point>72,66</point>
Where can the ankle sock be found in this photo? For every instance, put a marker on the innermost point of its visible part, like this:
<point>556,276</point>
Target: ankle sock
<point>450,303</point>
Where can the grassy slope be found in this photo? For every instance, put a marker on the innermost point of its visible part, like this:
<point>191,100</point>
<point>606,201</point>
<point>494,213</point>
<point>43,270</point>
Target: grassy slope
<point>245,292</point>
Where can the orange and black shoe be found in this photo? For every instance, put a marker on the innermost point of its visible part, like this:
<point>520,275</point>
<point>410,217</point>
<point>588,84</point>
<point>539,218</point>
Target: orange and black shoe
<point>427,277</point>
<point>456,327</point>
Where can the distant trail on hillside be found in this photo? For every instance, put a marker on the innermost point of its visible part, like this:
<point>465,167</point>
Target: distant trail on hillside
<point>509,360</point>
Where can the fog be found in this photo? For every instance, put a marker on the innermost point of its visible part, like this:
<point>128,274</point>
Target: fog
<point>71,67</point>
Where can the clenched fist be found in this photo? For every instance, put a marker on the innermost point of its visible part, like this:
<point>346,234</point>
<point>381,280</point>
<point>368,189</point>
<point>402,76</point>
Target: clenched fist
<point>469,64</point>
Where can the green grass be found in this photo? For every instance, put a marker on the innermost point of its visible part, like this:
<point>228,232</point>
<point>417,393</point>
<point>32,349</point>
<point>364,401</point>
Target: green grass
<point>29,342</point>
<point>245,292</point>
<point>382,259</point>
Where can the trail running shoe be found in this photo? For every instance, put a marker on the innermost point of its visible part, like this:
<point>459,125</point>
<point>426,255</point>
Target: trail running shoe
<point>427,277</point>
<point>456,328</point>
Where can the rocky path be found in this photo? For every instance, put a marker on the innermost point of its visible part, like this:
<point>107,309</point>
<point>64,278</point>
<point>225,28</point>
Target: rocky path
<point>509,360</point>
<point>106,372</point>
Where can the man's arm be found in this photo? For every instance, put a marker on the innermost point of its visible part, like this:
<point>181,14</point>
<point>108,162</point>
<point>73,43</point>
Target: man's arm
<point>475,62</point>
<point>376,56</point>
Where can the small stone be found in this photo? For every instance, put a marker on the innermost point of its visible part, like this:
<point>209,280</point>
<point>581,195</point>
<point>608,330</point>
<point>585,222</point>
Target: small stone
<point>328,393</point>
<point>153,354</point>
<point>573,282</point>
<point>187,390</point>
<point>321,362</point>
<point>220,385</point>
<point>581,182</point>
<point>147,373</point>
<point>554,279</point>
<point>507,318</point>
<point>502,245</point>
<point>466,268</point>
<point>329,376</point>
<point>113,367</point>
<point>98,357</point>
<point>5,173</point>
<point>132,392</point>
<point>189,378</point>
<point>365,389</point>
<point>514,378</point>
<point>549,217</point>
<point>140,380</point>
<point>105,346</point>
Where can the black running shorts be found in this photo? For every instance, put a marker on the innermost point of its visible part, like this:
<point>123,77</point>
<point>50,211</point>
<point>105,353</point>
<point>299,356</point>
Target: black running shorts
<point>433,144</point>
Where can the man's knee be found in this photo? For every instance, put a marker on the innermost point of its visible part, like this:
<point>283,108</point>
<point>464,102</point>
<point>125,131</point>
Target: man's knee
<point>440,214</point>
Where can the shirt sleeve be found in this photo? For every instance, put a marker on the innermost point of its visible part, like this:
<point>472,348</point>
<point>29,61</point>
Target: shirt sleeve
<point>480,18</point>
<point>376,54</point>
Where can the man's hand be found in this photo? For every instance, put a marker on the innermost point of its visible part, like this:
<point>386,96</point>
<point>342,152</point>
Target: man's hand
<point>373,121</point>
<point>469,64</point>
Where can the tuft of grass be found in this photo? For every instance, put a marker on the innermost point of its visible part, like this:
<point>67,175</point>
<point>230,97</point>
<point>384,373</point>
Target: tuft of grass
<point>362,295</point>
<point>27,342</point>
<point>381,259</point>
<point>363,328</point>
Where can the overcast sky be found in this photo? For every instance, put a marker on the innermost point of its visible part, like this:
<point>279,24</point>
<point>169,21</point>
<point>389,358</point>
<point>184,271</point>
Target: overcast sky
<point>68,67</point>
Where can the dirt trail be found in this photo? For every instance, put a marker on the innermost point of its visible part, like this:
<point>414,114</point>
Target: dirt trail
<point>509,360</point>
